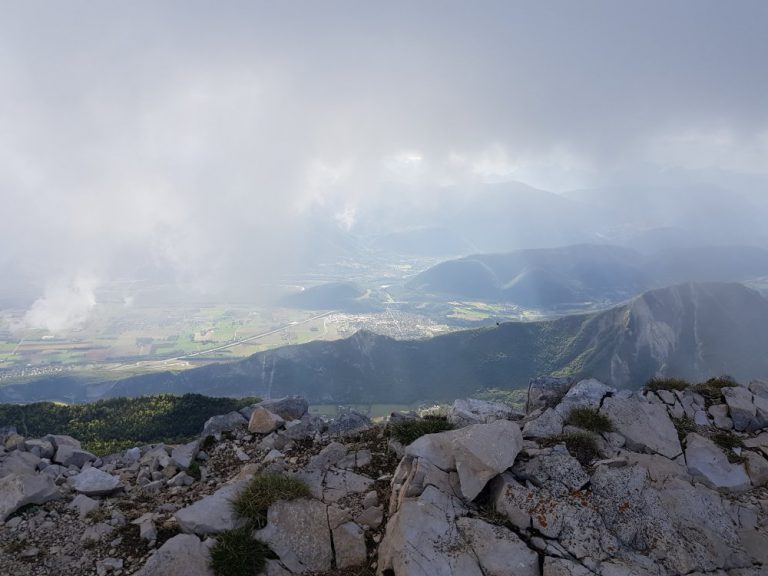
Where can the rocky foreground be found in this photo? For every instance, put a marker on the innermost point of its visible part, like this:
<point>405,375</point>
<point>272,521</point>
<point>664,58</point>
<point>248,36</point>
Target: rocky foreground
<point>589,480</point>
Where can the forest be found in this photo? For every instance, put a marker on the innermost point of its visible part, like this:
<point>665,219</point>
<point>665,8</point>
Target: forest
<point>111,425</point>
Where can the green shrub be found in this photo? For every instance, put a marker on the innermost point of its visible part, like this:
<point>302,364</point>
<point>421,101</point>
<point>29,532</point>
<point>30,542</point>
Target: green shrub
<point>194,470</point>
<point>407,431</point>
<point>590,419</point>
<point>664,383</point>
<point>264,490</point>
<point>237,553</point>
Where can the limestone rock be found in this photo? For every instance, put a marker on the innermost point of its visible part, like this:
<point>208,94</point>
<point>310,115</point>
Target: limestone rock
<point>288,408</point>
<point>215,425</point>
<point>263,421</point>
<point>83,504</point>
<point>94,482</point>
<point>586,393</point>
<point>499,551</point>
<point>18,462</point>
<point>349,423</point>
<point>707,462</point>
<point>211,514</point>
<point>740,407</point>
<point>549,424</point>
<point>71,456</point>
<point>349,544</point>
<point>297,531</point>
<point>18,490</point>
<point>477,453</point>
<point>719,413</point>
<point>546,392</point>
<point>466,412</point>
<point>757,468</point>
<point>182,555</point>
<point>646,427</point>
<point>185,454</point>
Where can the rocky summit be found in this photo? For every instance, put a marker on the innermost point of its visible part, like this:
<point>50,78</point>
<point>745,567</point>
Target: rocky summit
<point>589,480</point>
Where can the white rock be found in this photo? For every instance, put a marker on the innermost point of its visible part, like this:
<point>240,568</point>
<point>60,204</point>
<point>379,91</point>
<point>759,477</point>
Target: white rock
<point>182,555</point>
<point>18,490</point>
<point>549,424</point>
<point>184,455</point>
<point>646,427</point>
<point>263,421</point>
<point>477,453</point>
<point>83,504</point>
<point>211,514</point>
<point>707,462</point>
<point>466,412</point>
<point>94,482</point>
<point>586,393</point>
<point>297,531</point>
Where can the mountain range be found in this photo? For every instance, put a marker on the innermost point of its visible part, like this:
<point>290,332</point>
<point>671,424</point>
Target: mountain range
<point>585,272</point>
<point>691,331</point>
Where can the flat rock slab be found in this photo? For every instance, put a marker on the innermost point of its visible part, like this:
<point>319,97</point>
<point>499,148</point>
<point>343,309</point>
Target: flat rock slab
<point>212,514</point>
<point>498,550</point>
<point>71,456</point>
<point>707,462</point>
<point>298,532</point>
<point>18,490</point>
<point>95,482</point>
<point>647,427</point>
<point>182,555</point>
<point>549,424</point>
<point>288,408</point>
<point>217,424</point>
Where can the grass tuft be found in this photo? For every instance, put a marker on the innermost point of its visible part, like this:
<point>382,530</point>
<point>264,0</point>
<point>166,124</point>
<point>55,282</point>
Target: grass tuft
<point>727,440</point>
<point>589,419</point>
<point>236,553</point>
<point>664,383</point>
<point>264,490</point>
<point>407,431</point>
<point>581,445</point>
<point>712,389</point>
<point>684,426</point>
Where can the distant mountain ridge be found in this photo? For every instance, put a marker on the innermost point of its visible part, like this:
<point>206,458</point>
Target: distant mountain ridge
<point>691,331</point>
<point>585,272</point>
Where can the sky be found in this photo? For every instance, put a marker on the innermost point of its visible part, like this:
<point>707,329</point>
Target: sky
<point>199,138</point>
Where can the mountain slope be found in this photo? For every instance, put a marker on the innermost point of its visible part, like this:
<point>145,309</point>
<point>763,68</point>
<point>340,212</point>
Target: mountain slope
<point>692,331</point>
<point>586,272</point>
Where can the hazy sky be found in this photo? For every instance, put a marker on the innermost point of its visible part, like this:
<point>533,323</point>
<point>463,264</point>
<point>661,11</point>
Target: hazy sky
<point>194,135</point>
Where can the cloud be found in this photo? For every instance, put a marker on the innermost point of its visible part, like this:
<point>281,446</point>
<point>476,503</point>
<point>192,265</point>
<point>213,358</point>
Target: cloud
<point>64,307</point>
<point>202,142</point>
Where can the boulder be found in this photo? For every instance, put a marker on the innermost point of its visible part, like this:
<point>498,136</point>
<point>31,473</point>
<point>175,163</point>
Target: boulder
<point>759,388</point>
<point>549,424</point>
<point>182,555</point>
<point>263,421</point>
<point>288,408</point>
<point>719,413</point>
<point>298,532</point>
<point>211,514</point>
<point>740,407</point>
<point>349,423</point>
<point>477,453</point>
<point>546,392</point>
<point>94,482</point>
<point>59,440</point>
<point>41,448</point>
<point>707,463</point>
<point>83,504</point>
<point>18,462</point>
<point>216,425</point>
<point>18,490</point>
<point>338,484</point>
<point>185,454</point>
<point>586,393</point>
<point>473,411</point>
<point>646,427</point>
<point>757,468</point>
<point>70,456</point>
<point>305,428</point>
